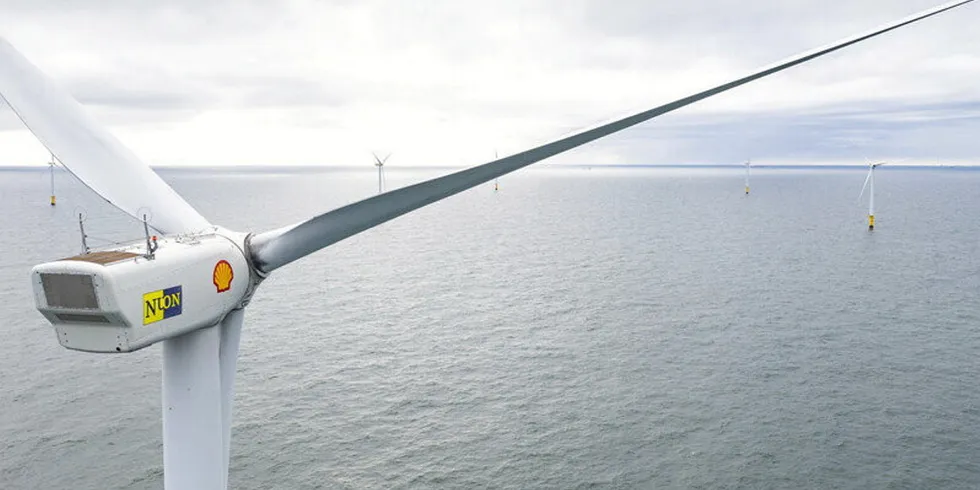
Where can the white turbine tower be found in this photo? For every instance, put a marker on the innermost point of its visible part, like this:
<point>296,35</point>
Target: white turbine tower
<point>870,179</point>
<point>748,172</point>
<point>51,166</point>
<point>496,183</point>
<point>132,296</point>
<point>380,163</point>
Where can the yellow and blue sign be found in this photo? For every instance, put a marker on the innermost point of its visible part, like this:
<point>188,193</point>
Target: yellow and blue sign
<point>161,304</point>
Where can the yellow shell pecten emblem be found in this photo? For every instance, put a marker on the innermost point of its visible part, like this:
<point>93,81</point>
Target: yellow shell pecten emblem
<point>223,274</point>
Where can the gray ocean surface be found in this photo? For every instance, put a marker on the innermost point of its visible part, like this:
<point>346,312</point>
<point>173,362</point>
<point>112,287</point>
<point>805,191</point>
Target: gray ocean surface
<point>603,328</point>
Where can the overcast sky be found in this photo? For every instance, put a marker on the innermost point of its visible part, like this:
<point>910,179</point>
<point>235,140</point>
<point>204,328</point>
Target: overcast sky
<point>447,82</point>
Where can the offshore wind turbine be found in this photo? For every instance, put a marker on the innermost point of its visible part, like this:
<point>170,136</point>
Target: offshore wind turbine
<point>871,193</point>
<point>132,296</point>
<point>748,172</point>
<point>496,183</point>
<point>51,166</point>
<point>380,163</point>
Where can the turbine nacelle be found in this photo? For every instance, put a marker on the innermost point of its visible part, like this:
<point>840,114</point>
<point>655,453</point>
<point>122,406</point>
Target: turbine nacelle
<point>125,298</point>
<point>380,162</point>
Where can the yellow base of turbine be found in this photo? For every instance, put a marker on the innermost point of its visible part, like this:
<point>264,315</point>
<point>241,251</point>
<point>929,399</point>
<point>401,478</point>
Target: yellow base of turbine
<point>52,200</point>
<point>871,221</point>
<point>746,190</point>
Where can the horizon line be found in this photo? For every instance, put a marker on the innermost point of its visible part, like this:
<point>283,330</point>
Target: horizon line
<point>294,167</point>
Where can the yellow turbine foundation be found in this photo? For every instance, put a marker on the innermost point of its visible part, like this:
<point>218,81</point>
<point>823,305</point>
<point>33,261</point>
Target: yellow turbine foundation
<point>746,190</point>
<point>871,221</point>
<point>52,200</point>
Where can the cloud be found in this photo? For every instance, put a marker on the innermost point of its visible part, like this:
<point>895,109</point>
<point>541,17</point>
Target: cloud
<point>447,82</point>
<point>922,133</point>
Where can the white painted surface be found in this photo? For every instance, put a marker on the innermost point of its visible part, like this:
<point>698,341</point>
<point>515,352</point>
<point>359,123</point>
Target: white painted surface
<point>88,150</point>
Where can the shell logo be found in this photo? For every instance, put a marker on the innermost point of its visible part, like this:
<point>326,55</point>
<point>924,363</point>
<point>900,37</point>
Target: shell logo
<point>223,274</point>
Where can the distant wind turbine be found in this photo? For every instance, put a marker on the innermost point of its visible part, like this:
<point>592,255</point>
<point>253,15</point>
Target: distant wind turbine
<point>51,166</point>
<point>748,167</point>
<point>496,184</point>
<point>870,179</point>
<point>380,163</point>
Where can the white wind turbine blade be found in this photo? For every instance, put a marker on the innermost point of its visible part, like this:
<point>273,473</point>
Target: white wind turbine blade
<point>197,397</point>
<point>231,335</point>
<point>198,394</point>
<point>866,180</point>
<point>193,414</point>
<point>87,150</point>
<point>273,249</point>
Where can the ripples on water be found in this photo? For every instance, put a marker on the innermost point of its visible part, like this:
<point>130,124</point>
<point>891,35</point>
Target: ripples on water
<point>608,328</point>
